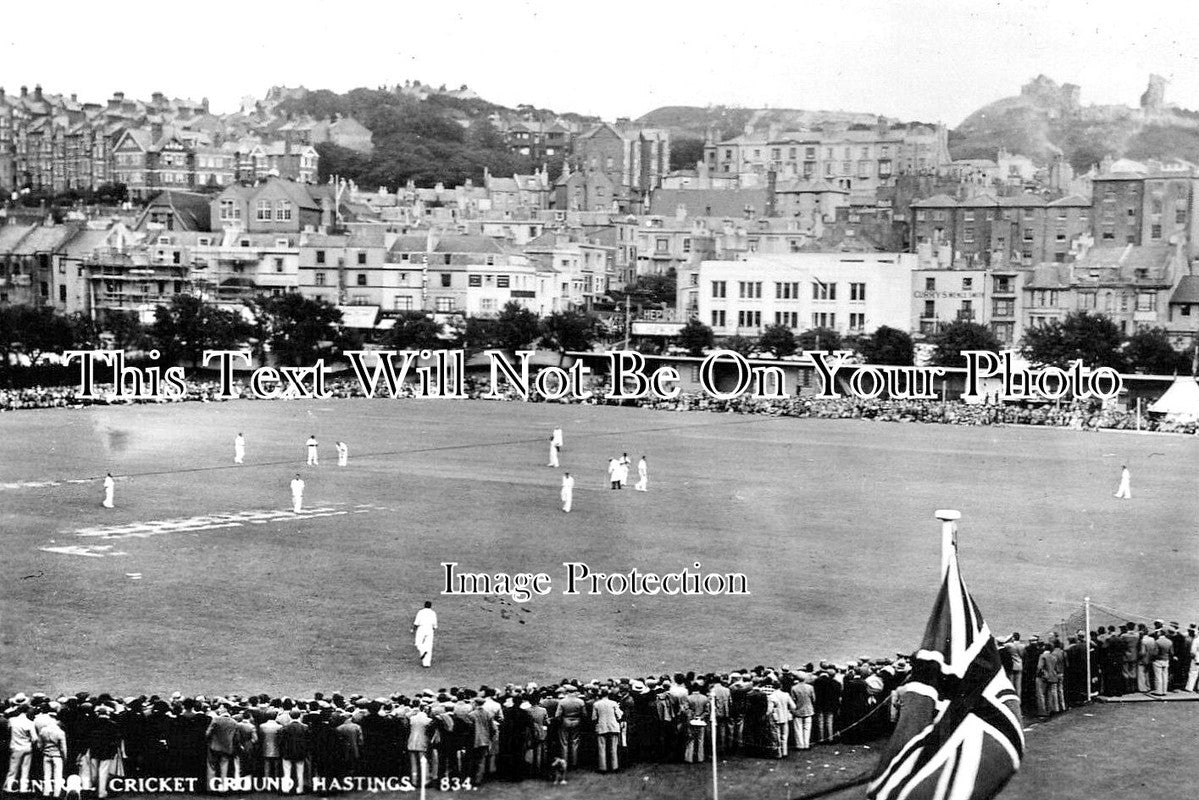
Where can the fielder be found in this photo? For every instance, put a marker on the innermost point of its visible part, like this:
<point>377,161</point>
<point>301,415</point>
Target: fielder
<point>343,454</point>
<point>642,475</point>
<point>109,487</point>
<point>312,461</point>
<point>568,491</point>
<point>423,626</point>
<point>297,493</point>
<point>556,437</point>
<point>1125,490</point>
<point>553,453</point>
<point>239,449</point>
<point>624,469</point>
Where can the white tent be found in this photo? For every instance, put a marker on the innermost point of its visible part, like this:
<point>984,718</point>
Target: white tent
<point>1180,401</point>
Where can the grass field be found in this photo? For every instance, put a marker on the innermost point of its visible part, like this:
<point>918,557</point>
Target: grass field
<point>832,522</point>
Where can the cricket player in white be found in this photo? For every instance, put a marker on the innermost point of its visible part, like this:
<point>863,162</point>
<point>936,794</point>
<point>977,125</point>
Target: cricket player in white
<point>343,454</point>
<point>239,449</point>
<point>556,437</point>
<point>1125,490</point>
<point>423,626</point>
<point>568,492</point>
<point>312,462</point>
<point>642,475</point>
<point>553,453</point>
<point>624,469</point>
<point>297,493</point>
<point>109,487</point>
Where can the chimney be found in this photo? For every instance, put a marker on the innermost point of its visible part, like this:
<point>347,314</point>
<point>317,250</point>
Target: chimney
<point>1,94</point>
<point>24,92</point>
<point>326,212</point>
<point>119,96</point>
<point>74,97</point>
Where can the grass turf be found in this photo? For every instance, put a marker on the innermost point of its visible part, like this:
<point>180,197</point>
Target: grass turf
<point>831,520</point>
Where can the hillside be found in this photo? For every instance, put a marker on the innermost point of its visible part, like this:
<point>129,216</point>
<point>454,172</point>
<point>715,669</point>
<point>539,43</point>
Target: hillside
<point>1046,119</point>
<point>693,122</point>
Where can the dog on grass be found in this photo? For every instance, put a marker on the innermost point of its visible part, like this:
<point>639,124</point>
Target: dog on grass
<point>558,771</point>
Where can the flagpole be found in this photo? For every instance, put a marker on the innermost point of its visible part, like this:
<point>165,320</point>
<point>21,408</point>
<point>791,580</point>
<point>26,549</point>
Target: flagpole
<point>1087,641</point>
<point>949,528</point>
<point>712,724</point>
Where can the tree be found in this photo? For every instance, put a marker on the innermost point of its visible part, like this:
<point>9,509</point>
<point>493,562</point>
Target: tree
<point>695,337</point>
<point>299,329</point>
<point>685,152</point>
<point>481,333</point>
<point>1092,338</point>
<point>32,332</point>
<point>126,329</point>
<point>960,336</point>
<point>778,339</point>
<point>819,339</point>
<point>568,330</point>
<point>1150,352</point>
<point>652,288</point>
<point>189,326</point>
<point>889,347</point>
<point>415,330</point>
<point>742,345</point>
<point>516,326</point>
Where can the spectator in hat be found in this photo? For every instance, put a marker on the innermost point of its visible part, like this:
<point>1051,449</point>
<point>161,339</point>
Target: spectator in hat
<point>21,736</point>
<point>804,697</point>
<point>295,747</point>
<point>52,742</point>
<point>569,714</point>
<point>607,715</point>
<point>104,743</point>
<point>1161,662</point>
<point>221,737</point>
<point>697,724</point>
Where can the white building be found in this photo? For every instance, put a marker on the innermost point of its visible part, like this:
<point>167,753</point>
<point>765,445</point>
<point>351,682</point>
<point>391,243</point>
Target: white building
<point>848,292</point>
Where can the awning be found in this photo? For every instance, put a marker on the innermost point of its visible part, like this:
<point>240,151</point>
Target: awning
<point>359,316</point>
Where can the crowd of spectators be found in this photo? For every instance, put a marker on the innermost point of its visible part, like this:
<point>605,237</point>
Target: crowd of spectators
<point>453,734</point>
<point>460,737</point>
<point>1078,415</point>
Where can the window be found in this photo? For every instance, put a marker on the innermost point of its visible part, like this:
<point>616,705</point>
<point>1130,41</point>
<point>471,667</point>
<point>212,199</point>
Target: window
<point>320,256</point>
<point>263,212</point>
<point>1109,234</point>
<point>662,246</point>
<point>753,245</point>
<point>62,297</point>
<point>857,291</point>
<point>283,211</point>
<point>278,265</point>
<point>503,281</point>
<point>1180,216</point>
<point>749,319</point>
<point>474,280</point>
<point>445,304</point>
<point>824,291</point>
<point>229,210</point>
<point>320,279</point>
<point>930,310</point>
<point>1155,231</point>
<point>362,279</point>
<point>1060,236</point>
<point>362,258</point>
<point>968,215</point>
<point>445,279</point>
<point>487,305</point>
<point>687,244</point>
<point>1087,299</point>
<point>1146,301</point>
<point>930,284</point>
<point>447,259</point>
<point>920,215</point>
<point>824,320</point>
<point>786,291</point>
<point>718,318</point>
<point>403,304</point>
<point>857,322</point>
<point>967,284</point>
<point>749,290</point>
<point>719,288</point>
<point>787,318</point>
<point>968,234</point>
<point>1003,285</point>
<point>1028,234</point>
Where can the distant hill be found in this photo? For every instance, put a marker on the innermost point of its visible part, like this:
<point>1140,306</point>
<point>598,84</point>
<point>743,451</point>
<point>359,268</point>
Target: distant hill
<point>1046,119</point>
<point>693,122</point>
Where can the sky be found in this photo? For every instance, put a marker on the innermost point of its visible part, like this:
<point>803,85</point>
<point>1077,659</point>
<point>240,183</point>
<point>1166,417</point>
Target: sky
<point>910,59</point>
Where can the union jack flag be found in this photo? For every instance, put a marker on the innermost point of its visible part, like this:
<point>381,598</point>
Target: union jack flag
<point>959,735</point>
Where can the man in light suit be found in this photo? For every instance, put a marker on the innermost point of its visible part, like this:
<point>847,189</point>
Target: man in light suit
<point>779,709</point>
<point>607,715</point>
<point>222,745</point>
<point>801,723</point>
<point>420,726</point>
